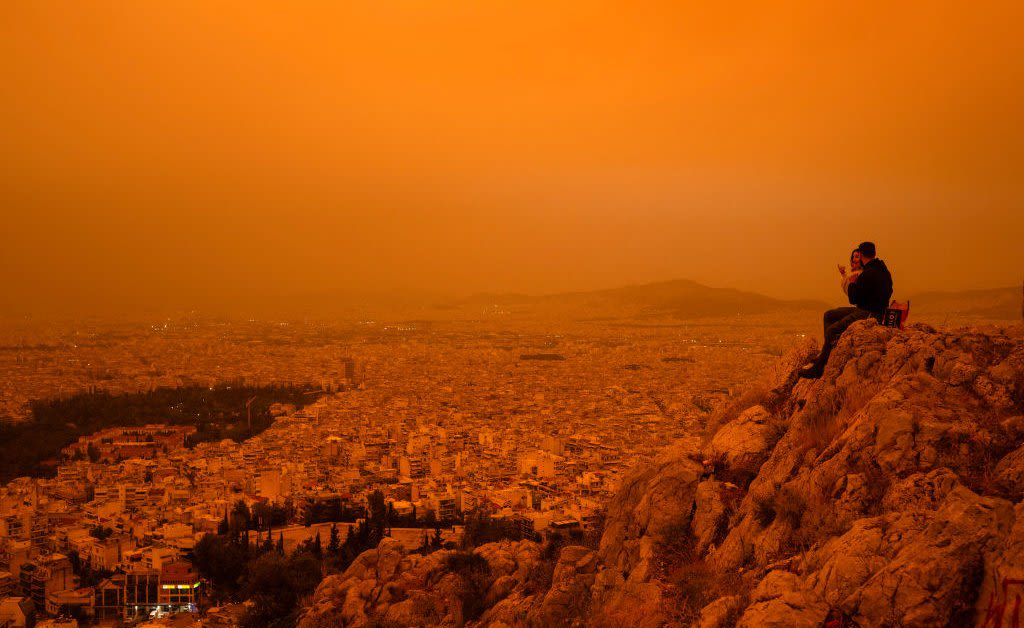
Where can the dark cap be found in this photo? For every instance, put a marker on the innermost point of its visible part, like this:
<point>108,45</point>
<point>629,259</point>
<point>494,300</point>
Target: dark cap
<point>867,249</point>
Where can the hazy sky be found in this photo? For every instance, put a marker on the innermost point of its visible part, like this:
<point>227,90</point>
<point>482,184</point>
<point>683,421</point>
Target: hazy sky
<point>178,153</point>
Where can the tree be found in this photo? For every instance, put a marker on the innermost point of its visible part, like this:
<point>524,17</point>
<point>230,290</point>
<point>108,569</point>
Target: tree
<point>334,544</point>
<point>481,528</point>
<point>376,504</point>
<point>93,452</point>
<point>437,542</point>
<point>239,520</point>
<point>261,515</point>
<point>222,562</point>
<point>280,543</point>
<point>275,585</point>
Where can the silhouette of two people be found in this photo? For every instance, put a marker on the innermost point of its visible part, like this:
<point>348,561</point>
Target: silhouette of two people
<point>869,288</point>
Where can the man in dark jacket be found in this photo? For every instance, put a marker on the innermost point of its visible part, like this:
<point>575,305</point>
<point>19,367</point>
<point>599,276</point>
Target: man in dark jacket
<point>869,294</point>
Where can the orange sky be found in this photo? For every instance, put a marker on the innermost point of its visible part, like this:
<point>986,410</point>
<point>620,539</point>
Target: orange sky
<point>184,154</point>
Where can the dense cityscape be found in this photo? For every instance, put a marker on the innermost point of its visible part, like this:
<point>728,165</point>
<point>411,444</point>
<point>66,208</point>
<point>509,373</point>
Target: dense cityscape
<point>532,422</point>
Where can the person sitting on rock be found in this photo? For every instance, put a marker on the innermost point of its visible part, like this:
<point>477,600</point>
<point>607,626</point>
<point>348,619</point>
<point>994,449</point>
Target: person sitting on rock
<point>856,267</point>
<point>869,293</point>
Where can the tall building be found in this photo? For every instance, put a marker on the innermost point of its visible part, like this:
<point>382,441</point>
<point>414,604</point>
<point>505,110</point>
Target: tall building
<point>179,587</point>
<point>46,575</point>
<point>141,592</point>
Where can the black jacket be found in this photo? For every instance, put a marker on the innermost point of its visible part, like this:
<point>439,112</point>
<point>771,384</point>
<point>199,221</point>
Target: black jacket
<point>873,288</point>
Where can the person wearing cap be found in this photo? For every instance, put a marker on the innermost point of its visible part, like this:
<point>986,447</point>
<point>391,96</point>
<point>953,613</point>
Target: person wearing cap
<point>869,294</point>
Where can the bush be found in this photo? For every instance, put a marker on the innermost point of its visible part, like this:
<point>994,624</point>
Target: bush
<point>695,585</point>
<point>481,529</point>
<point>820,424</point>
<point>276,584</point>
<point>475,578</point>
<point>764,510</point>
<point>677,544</point>
<point>790,507</point>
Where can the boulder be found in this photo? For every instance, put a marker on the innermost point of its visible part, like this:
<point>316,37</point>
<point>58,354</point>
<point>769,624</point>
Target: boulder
<point>744,443</point>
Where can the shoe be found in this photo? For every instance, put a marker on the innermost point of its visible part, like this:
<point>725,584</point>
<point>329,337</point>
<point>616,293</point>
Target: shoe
<point>811,372</point>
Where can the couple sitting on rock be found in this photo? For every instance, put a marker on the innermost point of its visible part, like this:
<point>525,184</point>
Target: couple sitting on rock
<point>869,288</point>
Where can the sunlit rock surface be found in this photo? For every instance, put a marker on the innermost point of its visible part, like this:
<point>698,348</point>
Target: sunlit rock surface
<point>885,493</point>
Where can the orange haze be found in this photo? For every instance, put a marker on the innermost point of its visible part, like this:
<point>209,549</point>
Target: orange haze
<point>197,153</point>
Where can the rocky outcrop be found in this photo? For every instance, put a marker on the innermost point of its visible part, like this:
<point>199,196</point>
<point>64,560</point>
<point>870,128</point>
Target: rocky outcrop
<point>886,493</point>
<point>387,585</point>
<point>890,497</point>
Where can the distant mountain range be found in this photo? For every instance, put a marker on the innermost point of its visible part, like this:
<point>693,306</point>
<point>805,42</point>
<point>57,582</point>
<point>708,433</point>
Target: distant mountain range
<point>687,299</point>
<point>998,304</point>
<point>679,298</point>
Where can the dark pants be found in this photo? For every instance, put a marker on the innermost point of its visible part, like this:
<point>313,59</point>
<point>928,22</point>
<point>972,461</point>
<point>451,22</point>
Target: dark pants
<point>836,321</point>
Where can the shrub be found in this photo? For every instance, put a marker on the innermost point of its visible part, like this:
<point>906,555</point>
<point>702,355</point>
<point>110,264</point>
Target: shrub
<point>677,544</point>
<point>820,423</point>
<point>694,585</point>
<point>764,510</point>
<point>475,578</point>
<point>790,507</point>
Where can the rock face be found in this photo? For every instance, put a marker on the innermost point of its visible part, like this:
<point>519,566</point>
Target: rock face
<point>886,493</point>
<point>388,586</point>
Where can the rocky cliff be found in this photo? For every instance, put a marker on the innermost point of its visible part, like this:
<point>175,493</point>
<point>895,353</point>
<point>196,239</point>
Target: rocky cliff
<point>886,493</point>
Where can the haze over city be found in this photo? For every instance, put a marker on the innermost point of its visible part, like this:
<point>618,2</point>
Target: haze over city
<point>381,313</point>
<point>229,156</point>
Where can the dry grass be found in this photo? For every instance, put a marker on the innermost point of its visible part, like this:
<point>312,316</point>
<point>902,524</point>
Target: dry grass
<point>818,426</point>
<point>763,511</point>
<point>758,394</point>
<point>824,421</point>
<point>974,461</point>
<point>692,586</point>
<point>790,507</point>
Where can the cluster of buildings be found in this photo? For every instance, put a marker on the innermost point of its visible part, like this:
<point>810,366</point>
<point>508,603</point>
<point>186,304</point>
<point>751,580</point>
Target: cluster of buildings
<point>443,420</point>
<point>128,581</point>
